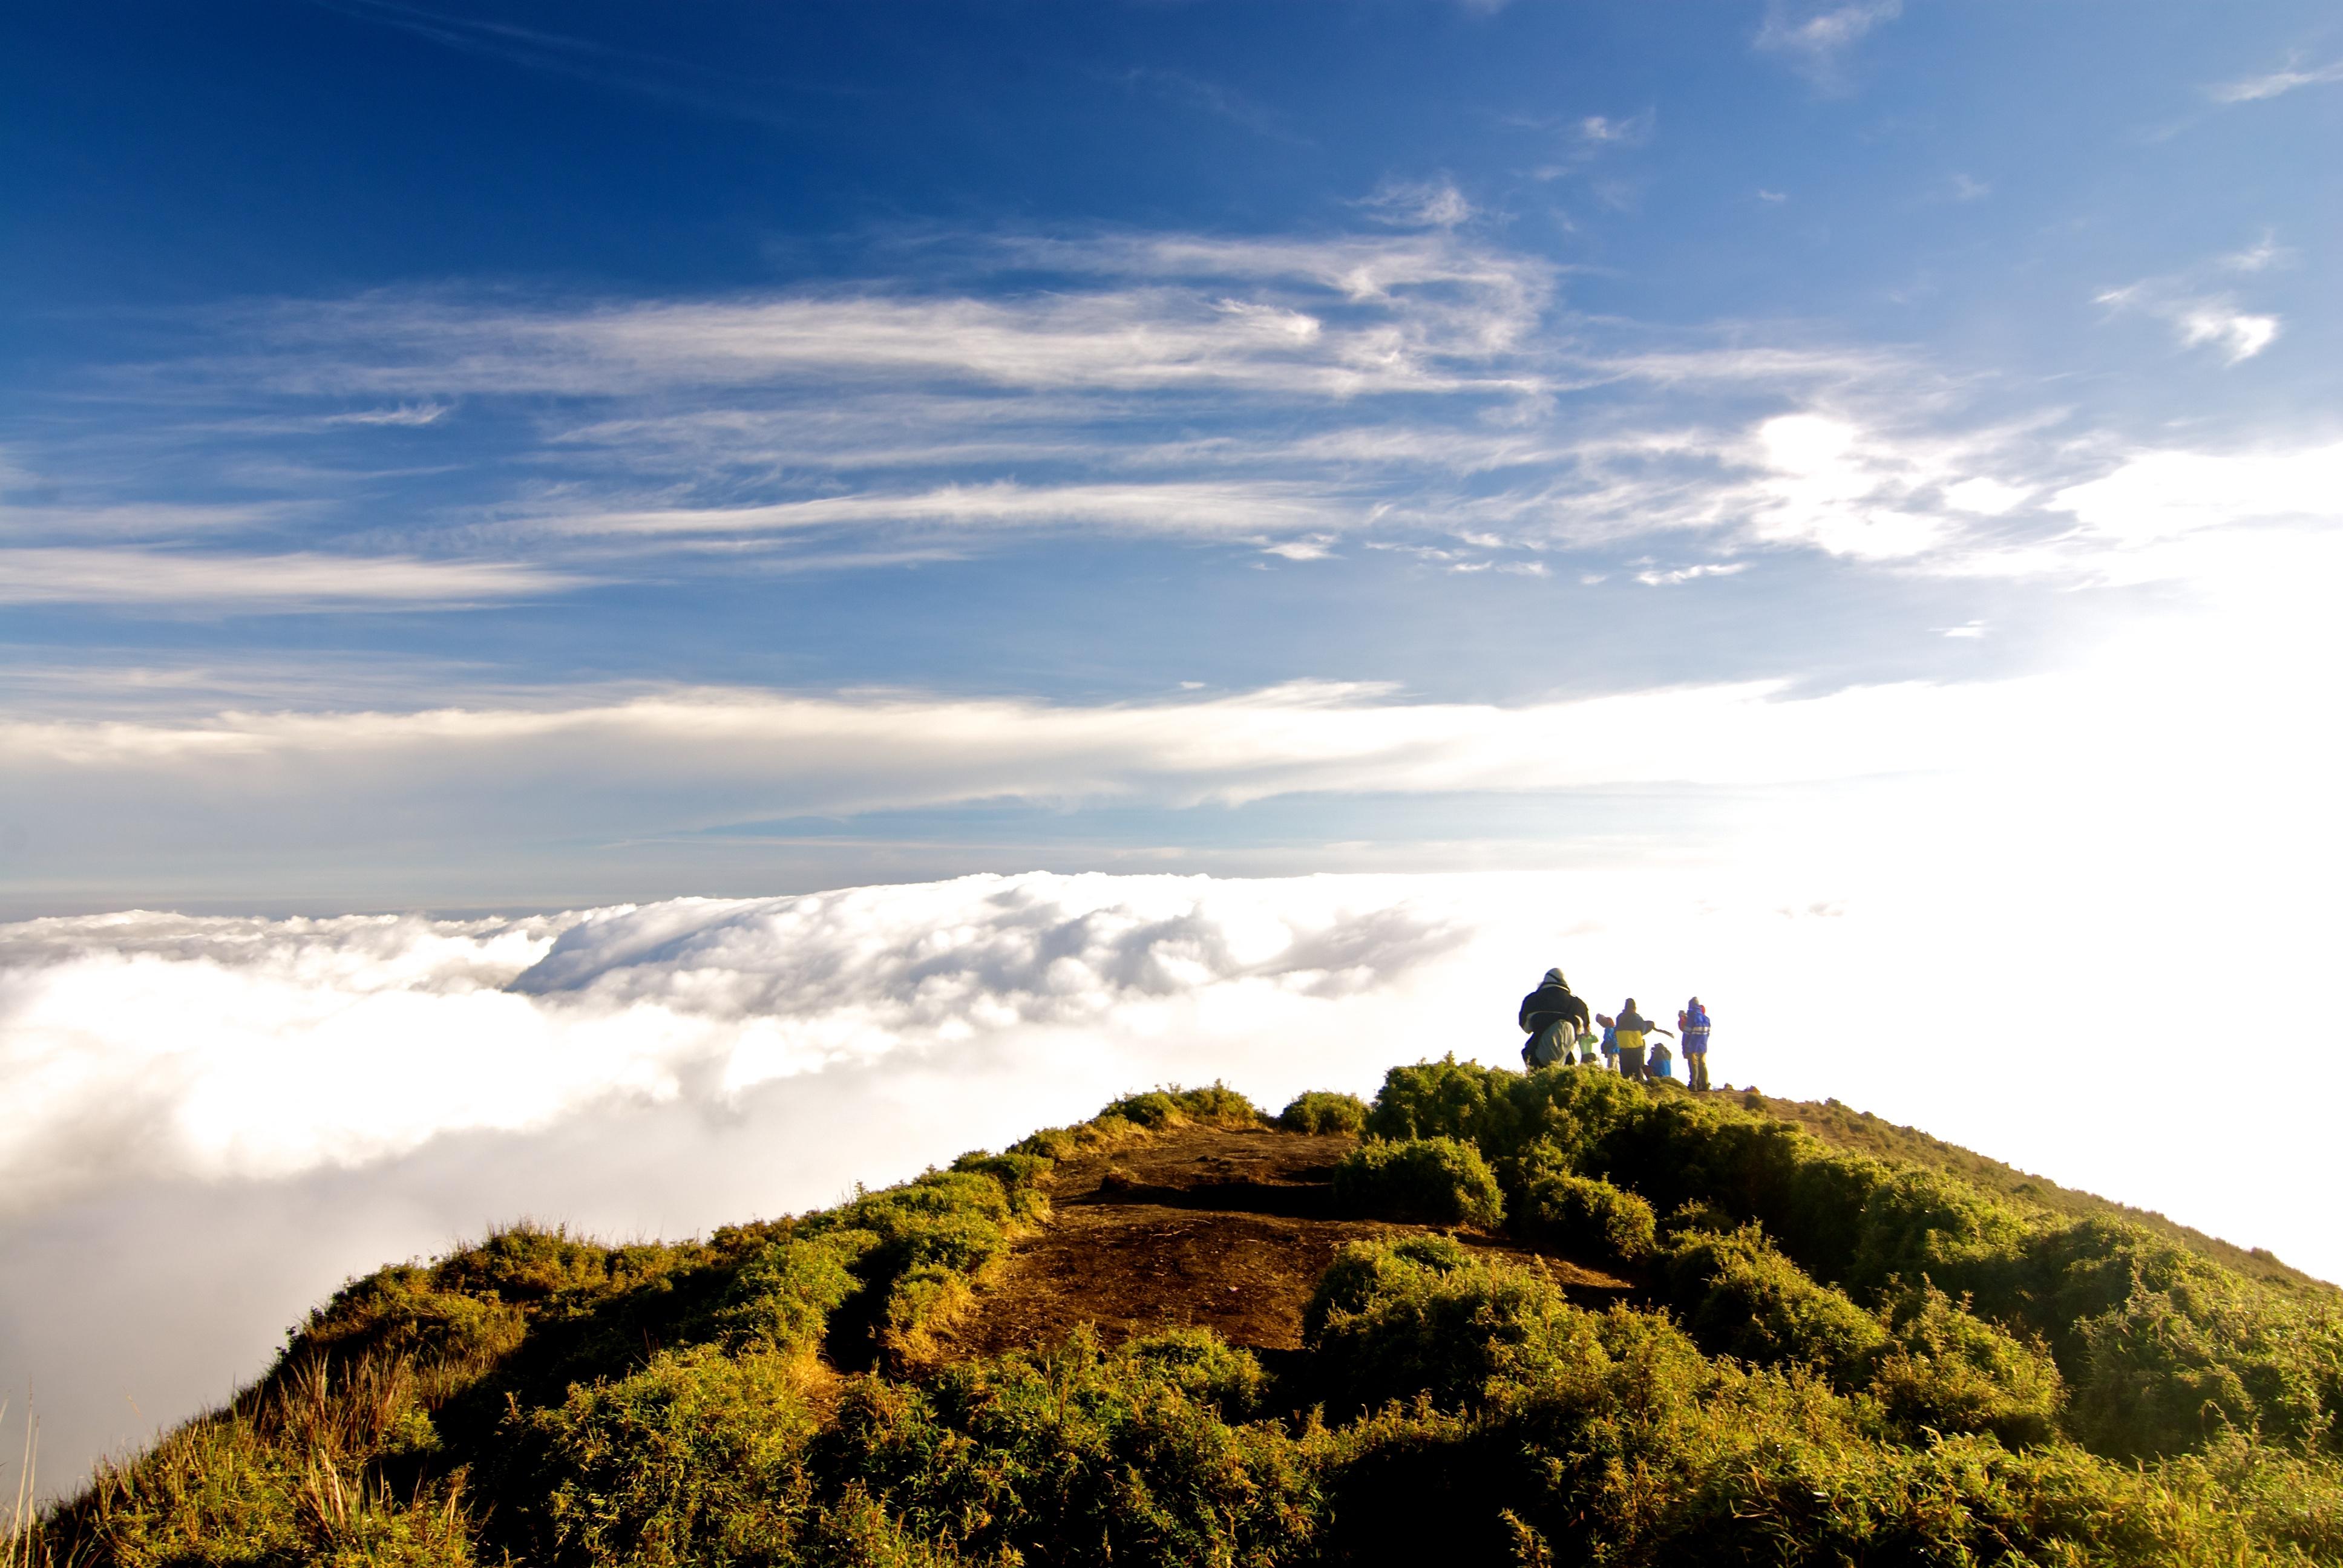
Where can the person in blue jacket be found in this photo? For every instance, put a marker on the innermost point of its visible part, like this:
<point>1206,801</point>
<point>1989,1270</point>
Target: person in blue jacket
<point>1692,1024</point>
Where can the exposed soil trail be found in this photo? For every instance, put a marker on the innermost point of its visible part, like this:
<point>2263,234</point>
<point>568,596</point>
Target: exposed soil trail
<point>1225,1229</point>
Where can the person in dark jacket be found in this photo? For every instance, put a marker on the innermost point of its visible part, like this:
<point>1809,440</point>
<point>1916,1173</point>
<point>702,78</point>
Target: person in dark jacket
<point>1629,1030</point>
<point>1552,1017</point>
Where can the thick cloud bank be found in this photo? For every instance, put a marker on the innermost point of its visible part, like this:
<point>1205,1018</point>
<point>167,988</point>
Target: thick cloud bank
<point>151,1045</point>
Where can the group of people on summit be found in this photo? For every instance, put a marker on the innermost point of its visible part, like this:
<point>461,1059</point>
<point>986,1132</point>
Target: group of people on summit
<point>1557,1021</point>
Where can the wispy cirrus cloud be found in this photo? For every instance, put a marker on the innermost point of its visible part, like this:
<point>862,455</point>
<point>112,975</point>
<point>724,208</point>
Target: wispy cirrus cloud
<point>1429,391</point>
<point>1194,508</point>
<point>1816,40</point>
<point>2199,320</point>
<point>296,581</point>
<point>2291,77</point>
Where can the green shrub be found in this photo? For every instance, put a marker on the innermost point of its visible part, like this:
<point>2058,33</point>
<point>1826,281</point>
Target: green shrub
<point>1435,1180</point>
<point>1948,1371</point>
<point>1322,1111</point>
<point>955,1220</point>
<point>2170,1369</point>
<point>1203,1366</point>
<point>528,1263</point>
<point>1053,1143</point>
<point>1422,1315</point>
<point>782,1298</point>
<point>1159,1109</point>
<point>1583,1215</point>
<point>1741,1297</point>
<point>695,1459</point>
<point>448,1338</point>
<point>1155,1110</point>
<point>1218,1103</point>
<point>1444,1098</point>
<point>1073,1457</point>
<point>1021,1177</point>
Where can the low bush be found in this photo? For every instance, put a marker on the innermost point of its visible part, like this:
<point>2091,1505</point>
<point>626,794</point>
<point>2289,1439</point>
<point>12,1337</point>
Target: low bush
<point>1741,1297</point>
<point>1322,1111</point>
<point>782,1296</point>
<point>1159,1109</point>
<point>1021,1177</point>
<point>1075,1457</point>
<point>1583,1215</point>
<point>1948,1371</point>
<point>695,1459</point>
<point>1423,1316</point>
<point>1203,1366</point>
<point>1435,1180</point>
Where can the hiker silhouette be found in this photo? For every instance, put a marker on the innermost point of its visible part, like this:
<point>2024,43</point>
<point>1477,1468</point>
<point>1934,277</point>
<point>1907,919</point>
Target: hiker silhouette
<point>1553,1017</point>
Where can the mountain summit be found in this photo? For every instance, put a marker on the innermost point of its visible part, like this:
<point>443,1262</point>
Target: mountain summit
<point>1495,1317</point>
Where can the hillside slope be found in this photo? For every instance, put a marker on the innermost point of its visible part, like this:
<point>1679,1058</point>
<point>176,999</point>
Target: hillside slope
<point>1864,1134</point>
<point>1495,1317</point>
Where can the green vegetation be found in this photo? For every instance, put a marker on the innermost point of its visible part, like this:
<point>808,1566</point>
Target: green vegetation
<point>1831,1355</point>
<point>1583,1216</point>
<point>1320,1112</point>
<point>1435,1180</point>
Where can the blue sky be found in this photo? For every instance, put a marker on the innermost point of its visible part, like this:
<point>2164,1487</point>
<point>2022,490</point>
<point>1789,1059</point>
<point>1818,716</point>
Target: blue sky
<point>373,359</point>
<point>376,357</point>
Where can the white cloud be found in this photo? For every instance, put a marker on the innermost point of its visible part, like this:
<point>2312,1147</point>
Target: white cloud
<point>1605,130</point>
<point>298,581</point>
<point>1216,508</point>
<point>309,1043</point>
<point>1418,203</point>
<point>165,521</point>
<point>2160,494</point>
<point>1658,579</point>
<point>1338,318</point>
<point>1294,394</point>
<point>2200,319</point>
<point>725,755</point>
<point>1984,496</point>
<point>1827,486</point>
<point>1965,189</point>
<point>1315,547</point>
<point>411,414</point>
<point>2241,333</point>
<point>2252,89</point>
<point>2259,256</point>
<point>1816,40</point>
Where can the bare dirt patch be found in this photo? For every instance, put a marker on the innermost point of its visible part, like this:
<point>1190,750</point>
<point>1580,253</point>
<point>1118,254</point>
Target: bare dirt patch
<point>1203,1226</point>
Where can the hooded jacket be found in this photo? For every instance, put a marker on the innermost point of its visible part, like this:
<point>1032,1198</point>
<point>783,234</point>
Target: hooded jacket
<point>1550,1001</point>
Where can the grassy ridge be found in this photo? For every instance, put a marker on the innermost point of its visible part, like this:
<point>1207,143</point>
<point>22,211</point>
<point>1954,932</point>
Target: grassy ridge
<point>1863,1133</point>
<point>1839,1357</point>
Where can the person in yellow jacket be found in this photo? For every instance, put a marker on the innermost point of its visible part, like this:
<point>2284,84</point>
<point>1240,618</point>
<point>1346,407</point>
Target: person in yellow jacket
<point>1629,1029</point>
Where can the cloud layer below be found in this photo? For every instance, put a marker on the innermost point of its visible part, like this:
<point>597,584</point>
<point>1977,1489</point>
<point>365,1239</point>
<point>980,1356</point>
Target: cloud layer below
<point>303,1044</point>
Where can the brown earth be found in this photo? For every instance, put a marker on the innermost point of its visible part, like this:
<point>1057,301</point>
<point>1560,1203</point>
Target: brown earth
<point>1205,1226</point>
